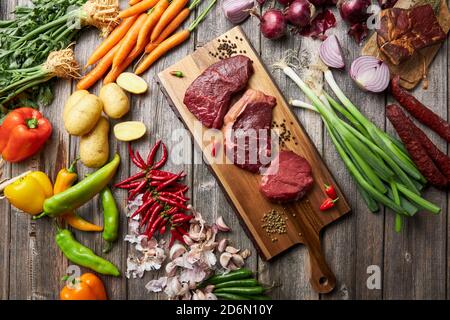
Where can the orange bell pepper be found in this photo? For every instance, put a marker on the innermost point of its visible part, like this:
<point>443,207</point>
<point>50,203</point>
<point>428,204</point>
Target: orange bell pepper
<point>86,287</point>
<point>23,133</point>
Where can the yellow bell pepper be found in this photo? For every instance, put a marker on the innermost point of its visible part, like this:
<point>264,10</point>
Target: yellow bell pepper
<point>29,192</point>
<point>65,178</point>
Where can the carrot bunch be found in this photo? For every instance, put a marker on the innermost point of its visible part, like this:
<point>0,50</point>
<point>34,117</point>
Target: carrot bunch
<point>147,27</point>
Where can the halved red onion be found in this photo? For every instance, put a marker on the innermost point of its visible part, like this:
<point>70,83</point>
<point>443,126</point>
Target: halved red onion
<point>330,53</point>
<point>370,73</point>
<point>237,10</point>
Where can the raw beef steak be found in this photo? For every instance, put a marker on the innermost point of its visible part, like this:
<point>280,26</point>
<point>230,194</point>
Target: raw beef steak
<point>288,178</point>
<point>247,130</point>
<point>209,96</point>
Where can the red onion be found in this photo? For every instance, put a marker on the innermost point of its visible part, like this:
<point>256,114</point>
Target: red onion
<point>237,10</point>
<point>273,24</point>
<point>354,11</point>
<point>285,2</point>
<point>300,13</point>
<point>330,53</point>
<point>370,73</point>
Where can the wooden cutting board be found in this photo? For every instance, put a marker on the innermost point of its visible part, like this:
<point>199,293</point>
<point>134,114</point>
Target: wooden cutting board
<point>415,69</point>
<point>303,218</point>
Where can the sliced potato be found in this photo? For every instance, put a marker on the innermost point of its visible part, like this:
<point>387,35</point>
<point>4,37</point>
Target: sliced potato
<point>132,83</point>
<point>129,130</point>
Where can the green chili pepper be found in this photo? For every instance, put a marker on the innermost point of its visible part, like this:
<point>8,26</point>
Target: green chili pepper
<point>110,218</point>
<point>233,275</point>
<point>79,254</point>
<point>241,290</point>
<point>237,283</point>
<point>230,296</point>
<point>77,195</point>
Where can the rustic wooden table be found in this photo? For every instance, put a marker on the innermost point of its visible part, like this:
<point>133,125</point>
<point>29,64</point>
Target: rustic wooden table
<point>414,264</point>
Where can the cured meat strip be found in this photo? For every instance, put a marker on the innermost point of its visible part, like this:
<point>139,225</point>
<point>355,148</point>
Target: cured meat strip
<point>419,111</point>
<point>403,32</point>
<point>415,149</point>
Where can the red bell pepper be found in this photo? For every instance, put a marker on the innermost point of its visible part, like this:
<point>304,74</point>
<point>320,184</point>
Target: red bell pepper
<point>23,133</point>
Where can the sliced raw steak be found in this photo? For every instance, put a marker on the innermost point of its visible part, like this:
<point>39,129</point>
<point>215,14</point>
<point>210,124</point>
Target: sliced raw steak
<point>247,130</point>
<point>288,178</point>
<point>209,96</point>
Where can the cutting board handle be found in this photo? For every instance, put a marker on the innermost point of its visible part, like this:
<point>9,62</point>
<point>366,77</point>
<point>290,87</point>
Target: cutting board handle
<point>322,279</point>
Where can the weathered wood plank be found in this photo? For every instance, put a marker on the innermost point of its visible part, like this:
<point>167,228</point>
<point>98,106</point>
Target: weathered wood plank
<point>162,124</point>
<point>297,259</point>
<point>415,259</point>
<point>208,197</point>
<point>5,217</point>
<point>354,243</point>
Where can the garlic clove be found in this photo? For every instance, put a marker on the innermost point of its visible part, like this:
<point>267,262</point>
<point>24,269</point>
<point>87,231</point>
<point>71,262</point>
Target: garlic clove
<point>237,260</point>
<point>225,259</point>
<point>221,225</point>
<point>188,240</point>
<point>176,251</point>
<point>232,250</point>
<point>222,245</point>
<point>245,253</point>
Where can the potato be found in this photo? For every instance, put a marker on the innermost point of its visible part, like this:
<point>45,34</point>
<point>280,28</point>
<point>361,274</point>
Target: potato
<point>129,130</point>
<point>115,101</point>
<point>72,100</point>
<point>132,83</point>
<point>94,146</point>
<point>82,116</point>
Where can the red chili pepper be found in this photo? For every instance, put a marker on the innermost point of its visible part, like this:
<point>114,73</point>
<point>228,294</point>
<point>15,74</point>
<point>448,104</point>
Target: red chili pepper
<point>172,238</point>
<point>179,215</point>
<point>143,207</point>
<point>328,203</point>
<point>181,231</point>
<point>139,158</point>
<point>133,158</point>
<point>173,203</point>
<point>330,191</point>
<point>155,226</point>
<point>177,236</point>
<point>173,195</point>
<point>168,182</point>
<point>138,189</point>
<point>146,196</point>
<point>181,220</point>
<point>162,230</point>
<point>148,214</point>
<point>153,217</point>
<point>138,175</point>
<point>131,185</point>
<point>164,157</point>
<point>152,153</point>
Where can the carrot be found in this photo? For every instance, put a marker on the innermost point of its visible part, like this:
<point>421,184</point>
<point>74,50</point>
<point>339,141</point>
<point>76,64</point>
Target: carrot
<point>165,46</point>
<point>138,8</point>
<point>172,11</point>
<point>117,70</point>
<point>150,22</point>
<point>133,2</point>
<point>129,40</point>
<point>173,25</point>
<point>172,42</point>
<point>115,36</point>
<point>100,69</point>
